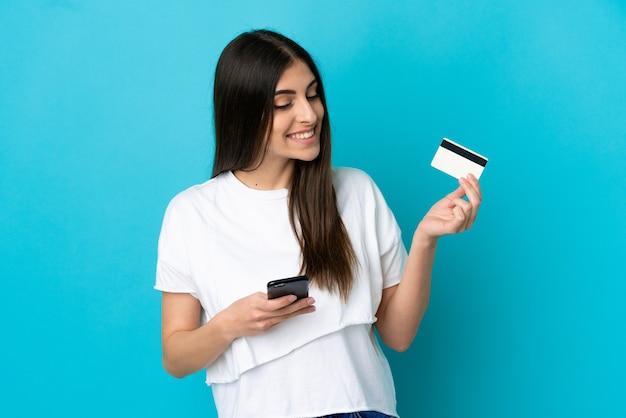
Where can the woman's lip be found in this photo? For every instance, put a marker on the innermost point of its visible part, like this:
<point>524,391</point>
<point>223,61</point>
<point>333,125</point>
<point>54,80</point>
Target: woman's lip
<point>304,141</point>
<point>303,132</point>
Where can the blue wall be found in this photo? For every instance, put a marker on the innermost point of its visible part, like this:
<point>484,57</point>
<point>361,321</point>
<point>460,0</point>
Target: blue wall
<point>105,115</point>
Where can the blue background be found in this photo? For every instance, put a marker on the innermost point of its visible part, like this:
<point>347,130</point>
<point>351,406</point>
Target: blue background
<point>105,114</point>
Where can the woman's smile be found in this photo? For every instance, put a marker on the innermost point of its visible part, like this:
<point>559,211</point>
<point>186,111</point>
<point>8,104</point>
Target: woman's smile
<point>310,134</point>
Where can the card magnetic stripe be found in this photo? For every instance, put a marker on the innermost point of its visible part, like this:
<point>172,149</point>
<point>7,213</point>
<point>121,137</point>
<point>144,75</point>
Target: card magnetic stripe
<point>464,153</point>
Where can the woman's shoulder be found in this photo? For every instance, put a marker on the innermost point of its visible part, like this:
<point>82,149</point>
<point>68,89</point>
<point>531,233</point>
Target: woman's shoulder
<point>352,178</point>
<point>354,185</point>
<point>194,196</point>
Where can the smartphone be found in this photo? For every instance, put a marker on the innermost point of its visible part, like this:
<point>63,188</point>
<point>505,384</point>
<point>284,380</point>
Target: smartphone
<point>298,285</point>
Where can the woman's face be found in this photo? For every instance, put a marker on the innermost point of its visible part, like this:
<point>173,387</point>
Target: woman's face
<point>298,116</point>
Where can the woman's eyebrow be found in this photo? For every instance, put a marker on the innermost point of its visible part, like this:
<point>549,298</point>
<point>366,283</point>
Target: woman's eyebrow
<point>293,91</point>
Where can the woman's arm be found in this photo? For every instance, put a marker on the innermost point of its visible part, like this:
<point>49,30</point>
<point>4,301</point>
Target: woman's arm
<point>189,347</point>
<point>403,306</point>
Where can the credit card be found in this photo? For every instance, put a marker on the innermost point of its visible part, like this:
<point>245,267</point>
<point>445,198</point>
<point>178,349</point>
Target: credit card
<point>458,161</point>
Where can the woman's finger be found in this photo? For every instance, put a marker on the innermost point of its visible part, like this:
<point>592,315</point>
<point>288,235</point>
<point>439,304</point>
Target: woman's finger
<point>474,182</point>
<point>464,212</point>
<point>471,187</point>
<point>303,306</point>
<point>473,193</point>
<point>286,305</point>
<point>457,194</point>
<point>271,322</point>
<point>271,305</point>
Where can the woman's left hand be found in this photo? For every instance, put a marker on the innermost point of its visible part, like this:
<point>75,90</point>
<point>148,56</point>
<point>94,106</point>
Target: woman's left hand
<point>453,214</point>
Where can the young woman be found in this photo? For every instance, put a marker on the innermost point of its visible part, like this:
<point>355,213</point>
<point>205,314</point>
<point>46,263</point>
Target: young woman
<point>275,208</point>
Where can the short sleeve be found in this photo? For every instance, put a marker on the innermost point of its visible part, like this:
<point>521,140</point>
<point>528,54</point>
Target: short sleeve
<point>393,253</point>
<point>372,225</point>
<point>173,273</point>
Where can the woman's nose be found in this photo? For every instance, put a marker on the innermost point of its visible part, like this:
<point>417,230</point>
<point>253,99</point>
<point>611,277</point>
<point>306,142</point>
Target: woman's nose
<point>305,112</point>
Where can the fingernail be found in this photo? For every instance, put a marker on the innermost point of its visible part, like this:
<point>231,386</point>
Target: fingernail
<point>462,180</point>
<point>292,298</point>
<point>311,301</point>
<point>471,176</point>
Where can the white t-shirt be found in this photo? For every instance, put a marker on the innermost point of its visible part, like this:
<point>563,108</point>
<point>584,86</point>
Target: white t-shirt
<point>222,241</point>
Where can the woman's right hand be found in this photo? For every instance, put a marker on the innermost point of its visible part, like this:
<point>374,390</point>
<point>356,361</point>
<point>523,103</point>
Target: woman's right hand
<point>189,347</point>
<point>256,314</point>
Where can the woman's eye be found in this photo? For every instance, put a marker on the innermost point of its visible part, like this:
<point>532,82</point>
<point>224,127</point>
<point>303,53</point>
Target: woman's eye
<point>282,106</point>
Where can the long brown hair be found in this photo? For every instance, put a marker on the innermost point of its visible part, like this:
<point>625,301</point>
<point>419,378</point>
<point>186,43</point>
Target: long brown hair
<point>245,80</point>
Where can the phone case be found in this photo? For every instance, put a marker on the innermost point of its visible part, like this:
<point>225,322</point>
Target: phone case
<point>298,285</point>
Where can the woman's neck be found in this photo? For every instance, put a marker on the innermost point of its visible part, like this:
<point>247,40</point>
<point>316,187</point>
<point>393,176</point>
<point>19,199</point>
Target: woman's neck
<point>266,178</point>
